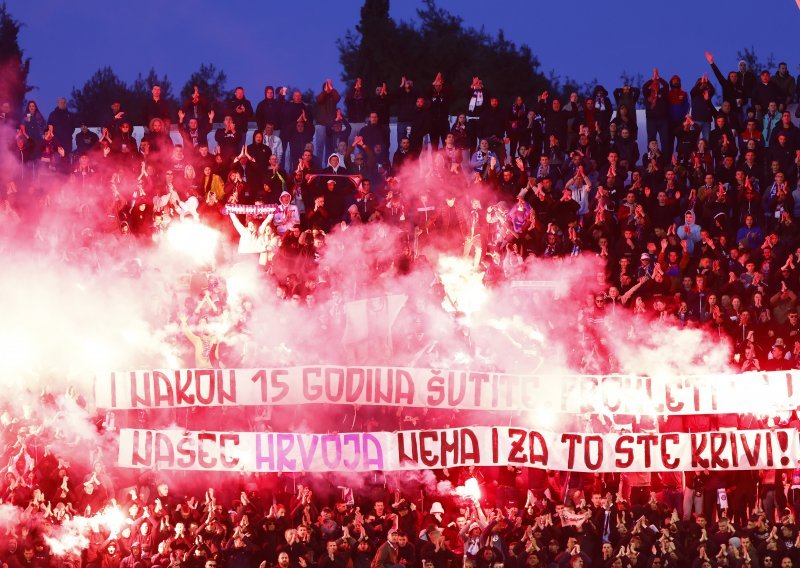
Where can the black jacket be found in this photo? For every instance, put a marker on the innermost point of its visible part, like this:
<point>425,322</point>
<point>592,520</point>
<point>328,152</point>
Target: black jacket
<point>701,111</point>
<point>405,102</point>
<point>269,111</point>
<point>241,111</point>
<point>555,122</point>
<point>493,123</point>
<point>373,135</point>
<point>439,101</point>
<point>656,107</point>
<point>763,94</point>
<point>730,91</point>
<point>256,171</point>
<point>356,103</point>
<point>63,123</point>
<point>629,99</point>
<point>86,142</point>
<point>792,135</point>
<point>197,110</point>
<point>228,143</point>
<point>194,138</point>
<point>291,111</point>
<point>156,109</point>
<point>380,105</point>
<point>420,126</point>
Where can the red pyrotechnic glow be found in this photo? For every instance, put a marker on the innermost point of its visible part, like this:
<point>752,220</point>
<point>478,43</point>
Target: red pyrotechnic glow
<point>71,541</point>
<point>112,518</point>
<point>194,240</point>
<point>71,537</point>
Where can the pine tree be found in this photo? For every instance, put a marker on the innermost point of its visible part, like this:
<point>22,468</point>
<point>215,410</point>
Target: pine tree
<point>142,89</point>
<point>100,90</point>
<point>14,66</point>
<point>372,52</point>
<point>383,50</point>
<point>212,85</point>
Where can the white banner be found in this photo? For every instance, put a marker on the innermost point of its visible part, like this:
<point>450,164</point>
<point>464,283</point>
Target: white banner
<point>752,393</point>
<point>480,446</point>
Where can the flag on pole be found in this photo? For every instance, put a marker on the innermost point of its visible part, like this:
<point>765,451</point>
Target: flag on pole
<point>372,318</point>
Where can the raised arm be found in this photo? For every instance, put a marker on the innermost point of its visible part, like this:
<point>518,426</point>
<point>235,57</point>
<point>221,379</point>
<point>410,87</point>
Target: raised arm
<point>241,229</point>
<point>186,331</point>
<point>720,77</point>
<point>264,223</point>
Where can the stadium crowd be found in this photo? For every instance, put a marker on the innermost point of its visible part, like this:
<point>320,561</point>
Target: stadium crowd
<point>698,229</point>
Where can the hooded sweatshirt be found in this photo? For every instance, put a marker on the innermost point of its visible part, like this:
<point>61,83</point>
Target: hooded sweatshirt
<point>692,235</point>
<point>251,242</point>
<point>678,100</point>
<point>654,93</point>
<point>286,216</point>
<point>326,106</point>
<point>340,169</point>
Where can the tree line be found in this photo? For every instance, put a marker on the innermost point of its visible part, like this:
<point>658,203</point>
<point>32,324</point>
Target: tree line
<point>379,49</point>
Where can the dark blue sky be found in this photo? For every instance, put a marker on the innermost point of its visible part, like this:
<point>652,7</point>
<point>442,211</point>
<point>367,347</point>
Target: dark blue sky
<point>262,41</point>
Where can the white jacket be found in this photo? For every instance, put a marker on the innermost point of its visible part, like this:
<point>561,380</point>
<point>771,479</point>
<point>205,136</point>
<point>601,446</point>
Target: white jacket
<point>250,243</point>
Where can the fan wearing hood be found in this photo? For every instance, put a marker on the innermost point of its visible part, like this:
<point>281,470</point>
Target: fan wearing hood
<point>111,555</point>
<point>133,558</point>
<point>270,109</point>
<point>602,107</point>
<point>472,535</point>
<point>689,231</point>
<point>335,166</point>
<point>678,108</point>
<point>435,517</point>
<point>287,215</point>
<point>364,202</point>
<point>654,93</point>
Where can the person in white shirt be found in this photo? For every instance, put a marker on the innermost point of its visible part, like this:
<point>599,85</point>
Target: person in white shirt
<point>252,238</point>
<point>273,141</point>
<point>286,215</point>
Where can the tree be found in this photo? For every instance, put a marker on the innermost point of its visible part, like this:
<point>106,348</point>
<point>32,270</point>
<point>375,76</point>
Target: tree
<point>211,83</point>
<point>636,80</point>
<point>14,66</point>
<point>374,50</point>
<point>95,97</point>
<point>383,50</point>
<point>91,101</point>
<point>143,86</point>
<point>753,63</point>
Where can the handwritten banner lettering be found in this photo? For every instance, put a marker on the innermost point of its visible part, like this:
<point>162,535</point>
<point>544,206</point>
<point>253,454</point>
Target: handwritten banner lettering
<point>455,447</point>
<point>754,393</point>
